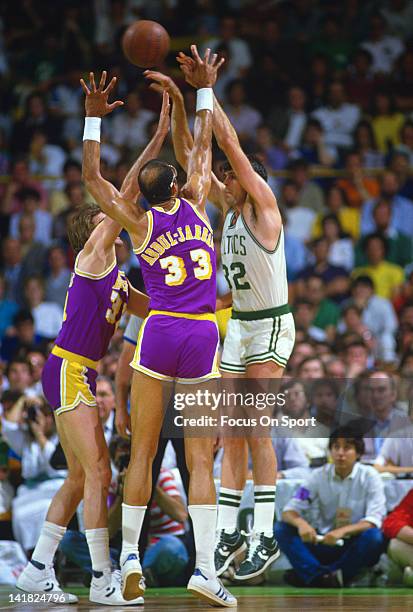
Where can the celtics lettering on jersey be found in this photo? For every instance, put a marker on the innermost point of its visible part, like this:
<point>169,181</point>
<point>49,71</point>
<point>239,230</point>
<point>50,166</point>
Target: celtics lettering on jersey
<point>256,276</point>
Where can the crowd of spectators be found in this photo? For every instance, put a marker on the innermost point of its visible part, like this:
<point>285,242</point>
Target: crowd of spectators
<point>322,93</point>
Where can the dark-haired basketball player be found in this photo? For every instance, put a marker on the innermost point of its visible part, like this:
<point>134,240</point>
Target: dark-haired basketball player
<point>260,335</point>
<point>179,339</point>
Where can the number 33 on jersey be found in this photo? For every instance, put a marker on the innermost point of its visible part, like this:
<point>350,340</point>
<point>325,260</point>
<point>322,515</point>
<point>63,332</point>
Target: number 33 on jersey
<point>177,259</point>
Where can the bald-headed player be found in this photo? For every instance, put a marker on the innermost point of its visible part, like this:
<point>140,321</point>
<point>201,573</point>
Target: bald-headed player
<point>260,335</point>
<point>179,339</point>
<point>97,296</point>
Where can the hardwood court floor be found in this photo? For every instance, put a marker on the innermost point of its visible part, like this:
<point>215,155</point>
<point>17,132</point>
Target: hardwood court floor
<point>255,599</point>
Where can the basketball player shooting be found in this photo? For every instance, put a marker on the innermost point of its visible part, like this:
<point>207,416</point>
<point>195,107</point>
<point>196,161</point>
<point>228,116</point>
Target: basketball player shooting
<point>179,338</point>
<point>260,335</point>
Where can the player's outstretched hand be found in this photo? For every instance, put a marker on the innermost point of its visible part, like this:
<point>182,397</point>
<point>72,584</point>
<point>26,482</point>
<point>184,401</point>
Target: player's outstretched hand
<point>164,119</point>
<point>200,72</point>
<point>96,101</point>
<point>162,83</point>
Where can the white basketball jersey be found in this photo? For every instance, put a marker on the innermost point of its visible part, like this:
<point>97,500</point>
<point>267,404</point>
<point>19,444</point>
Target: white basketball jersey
<point>257,276</point>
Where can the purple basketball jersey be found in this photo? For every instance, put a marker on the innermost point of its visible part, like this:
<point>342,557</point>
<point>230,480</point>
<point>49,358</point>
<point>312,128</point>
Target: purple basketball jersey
<point>94,305</point>
<point>177,260</point>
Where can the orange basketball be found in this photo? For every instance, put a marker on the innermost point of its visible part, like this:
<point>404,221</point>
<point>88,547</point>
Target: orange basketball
<point>145,43</point>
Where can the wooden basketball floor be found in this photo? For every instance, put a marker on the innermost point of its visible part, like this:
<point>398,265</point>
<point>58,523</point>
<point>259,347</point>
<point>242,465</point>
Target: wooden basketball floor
<point>253,599</point>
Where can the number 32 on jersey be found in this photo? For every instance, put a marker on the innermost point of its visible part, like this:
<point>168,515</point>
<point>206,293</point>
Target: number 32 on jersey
<point>177,272</point>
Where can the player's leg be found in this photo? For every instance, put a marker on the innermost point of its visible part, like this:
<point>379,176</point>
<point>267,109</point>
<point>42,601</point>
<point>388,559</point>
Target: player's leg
<point>202,509</point>
<point>263,548</point>
<point>234,470</point>
<point>39,574</point>
<point>147,401</point>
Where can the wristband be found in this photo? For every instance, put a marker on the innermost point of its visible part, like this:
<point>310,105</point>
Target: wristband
<point>204,99</point>
<point>92,128</point>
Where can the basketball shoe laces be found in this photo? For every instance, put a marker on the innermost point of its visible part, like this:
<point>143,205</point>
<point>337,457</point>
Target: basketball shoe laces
<point>255,545</point>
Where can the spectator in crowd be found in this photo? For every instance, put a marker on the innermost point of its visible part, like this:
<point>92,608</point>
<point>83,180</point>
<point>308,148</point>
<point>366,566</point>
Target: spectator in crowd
<point>384,49</point>
<point>318,80</point>
<point>8,308</point>
<point>399,246</point>
<point>398,15</point>
<point>36,358</point>
<point>299,219</point>
<point>386,122</point>
<point>337,204</point>
<point>20,337</point>
<point>239,51</point>
<point>348,503</point>
<point>333,43</point>
<point>312,440</point>
<point>341,252</point>
<point>399,164</point>
<point>387,277</point>
<point>357,186</point>
<point>291,459</point>
<point>360,81</point>
<point>338,118</point>
<point>45,159</point>
<point>19,376</point>
<point>313,148</point>
<point>36,117</point>
<point>288,122</point>
<point>33,251</point>
<point>366,147</point>
<point>324,402</point>
<point>65,102</point>
<point>310,368</point>
<point>335,279</point>
<point>6,494</point>
<point>387,418</point>
<point>398,528</point>
<point>244,118</point>
<point>304,314</point>
<point>406,144</point>
<point>403,82</point>
<point>273,157</point>
<point>401,207</point>
<point>47,316</point>
<point>335,368</point>
<point>301,350</point>
<point>327,312</point>
<point>20,179</point>
<point>72,175</point>
<point>128,128</point>
<point>309,193</point>
<point>355,355</point>
<point>29,429</point>
<point>396,454</point>
<point>30,200</point>
<point>352,322</point>
<point>58,277</point>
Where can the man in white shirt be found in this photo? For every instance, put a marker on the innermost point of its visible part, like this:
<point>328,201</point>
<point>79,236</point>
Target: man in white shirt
<point>384,49</point>
<point>347,505</point>
<point>129,129</point>
<point>239,51</point>
<point>338,118</point>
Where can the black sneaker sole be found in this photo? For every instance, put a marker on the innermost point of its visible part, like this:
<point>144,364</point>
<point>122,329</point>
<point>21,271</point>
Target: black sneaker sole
<point>270,560</point>
<point>231,557</point>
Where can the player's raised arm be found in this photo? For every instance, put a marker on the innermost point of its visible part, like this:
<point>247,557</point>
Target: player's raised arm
<point>106,195</point>
<point>198,182</point>
<point>130,187</point>
<point>181,135</point>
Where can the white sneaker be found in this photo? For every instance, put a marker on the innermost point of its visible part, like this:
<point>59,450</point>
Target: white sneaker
<point>211,590</point>
<point>107,591</point>
<point>34,580</point>
<point>133,583</point>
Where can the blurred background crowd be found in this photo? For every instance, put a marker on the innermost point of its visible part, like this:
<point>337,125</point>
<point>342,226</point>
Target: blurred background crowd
<point>321,91</point>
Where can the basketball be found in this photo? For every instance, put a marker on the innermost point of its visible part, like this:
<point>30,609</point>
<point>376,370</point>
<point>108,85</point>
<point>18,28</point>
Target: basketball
<point>145,43</point>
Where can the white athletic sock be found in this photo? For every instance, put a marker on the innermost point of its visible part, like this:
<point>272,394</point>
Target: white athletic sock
<point>264,509</point>
<point>228,506</point>
<point>132,521</point>
<point>49,539</point>
<point>204,521</point>
<point>98,542</point>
